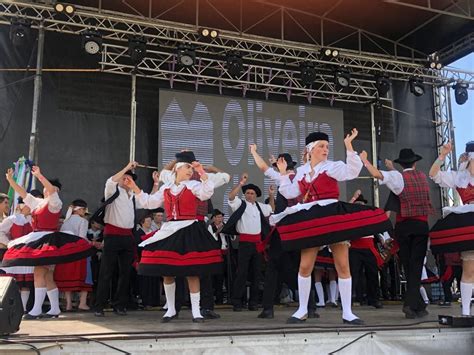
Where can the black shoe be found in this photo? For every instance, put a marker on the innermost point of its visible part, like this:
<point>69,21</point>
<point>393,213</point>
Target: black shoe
<point>312,314</point>
<point>50,316</point>
<point>209,314</point>
<point>331,304</point>
<point>28,316</point>
<point>266,314</point>
<point>376,304</point>
<point>253,308</point>
<point>422,313</point>
<point>444,304</point>
<point>169,319</point>
<point>237,308</point>
<point>294,320</point>
<point>198,320</point>
<point>99,313</point>
<point>356,321</point>
<point>409,313</point>
<point>120,312</point>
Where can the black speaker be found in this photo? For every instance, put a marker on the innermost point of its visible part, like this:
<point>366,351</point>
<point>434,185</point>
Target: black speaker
<point>11,308</point>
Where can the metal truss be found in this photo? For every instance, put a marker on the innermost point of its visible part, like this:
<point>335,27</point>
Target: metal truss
<point>271,65</point>
<point>463,45</point>
<point>457,8</point>
<point>444,134</point>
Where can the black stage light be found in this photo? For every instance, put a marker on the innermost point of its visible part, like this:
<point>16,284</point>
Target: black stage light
<point>20,31</point>
<point>307,73</point>
<point>92,41</point>
<point>234,63</point>
<point>460,92</point>
<point>382,83</point>
<point>328,53</point>
<point>186,55</point>
<point>136,49</point>
<point>433,62</point>
<point>417,87</point>
<point>342,78</point>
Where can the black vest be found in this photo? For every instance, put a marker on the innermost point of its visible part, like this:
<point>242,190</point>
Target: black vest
<point>231,224</point>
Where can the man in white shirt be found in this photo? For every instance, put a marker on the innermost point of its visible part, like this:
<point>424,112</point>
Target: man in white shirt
<point>249,221</point>
<point>119,245</point>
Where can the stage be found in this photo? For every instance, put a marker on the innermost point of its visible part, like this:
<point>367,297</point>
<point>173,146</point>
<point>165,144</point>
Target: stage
<point>386,332</point>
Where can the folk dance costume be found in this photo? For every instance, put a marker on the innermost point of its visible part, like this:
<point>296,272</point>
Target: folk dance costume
<point>455,232</point>
<point>248,220</point>
<point>323,220</point>
<point>45,246</point>
<point>183,246</point>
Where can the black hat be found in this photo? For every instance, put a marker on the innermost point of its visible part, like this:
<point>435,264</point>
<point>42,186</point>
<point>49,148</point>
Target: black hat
<point>185,157</point>
<point>407,156</point>
<point>36,193</point>
<point>360,199</point>
<point>132,174</point>
<point>216,212</point>
<point>252,187</point>
<point>159,210</point>
<point>316,136</point>
<point>470,147</point>
<point>20,200</point>
<point>289,161</point>
<point>79,203</point>
<point>56,183</point>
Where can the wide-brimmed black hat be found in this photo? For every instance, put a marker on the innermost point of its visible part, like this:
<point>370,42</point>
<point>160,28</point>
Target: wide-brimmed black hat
<point>470,147</point>
<point>290,164</point>
<point>131,174</point>
<point>185,157</point>
<point>56,183</point>
<point>360,199</point>
<point>407,156</point>
<point>216,212</point>
<point>316,136</point>
<point>252,187</point>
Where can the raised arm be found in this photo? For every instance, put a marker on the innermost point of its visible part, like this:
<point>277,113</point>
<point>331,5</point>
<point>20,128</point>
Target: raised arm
<point>262,165</point>
<point>18,189</point>
<point>372,169</point>
<point>36,171</point>
<point>271,197</point>
<point>129,166</point>
<point>235,190</point>
<point>156,182</point>
<point>436,167</point>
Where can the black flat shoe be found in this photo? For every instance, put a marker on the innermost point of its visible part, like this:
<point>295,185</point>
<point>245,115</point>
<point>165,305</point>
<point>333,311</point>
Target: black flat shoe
<point>266,314</point>
<point>198,320</point>
<point>294,320</point>
<point>168,319</point>
<point>28,316</point>
<point>313,314</point>
<point>120,312</point>
<point>50,316</point>
<point>377,304</point>
<point>209,314</point>
<point>422,313</point>
<point>99,314</point>
<point>356,321</point>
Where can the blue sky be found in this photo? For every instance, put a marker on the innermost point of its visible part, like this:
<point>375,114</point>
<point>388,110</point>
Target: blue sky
<point>463,115</point>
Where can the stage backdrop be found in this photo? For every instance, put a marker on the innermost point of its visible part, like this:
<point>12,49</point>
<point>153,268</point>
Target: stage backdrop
<point>219,130</point>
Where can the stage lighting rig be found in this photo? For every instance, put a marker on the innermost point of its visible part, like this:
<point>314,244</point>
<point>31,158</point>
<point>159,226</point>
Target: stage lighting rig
<point>307,73</point>
<point>209,33</point>
<point>382,83</point>
<point>186,55</point>
<point>328,53</point>
<point>460,92</point>
<point>92,41</point>
<point>20,31</point>
<point>136,49</point>
<point>342,78</point>
<point>433,62</point>
<point>417,87</point>
<point>234,63</point>
<point>62,8</point>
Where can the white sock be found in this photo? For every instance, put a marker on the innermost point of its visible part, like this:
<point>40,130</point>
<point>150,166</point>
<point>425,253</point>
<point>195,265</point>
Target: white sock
<point>40,295</point>
<point>345,289</point>
<point>170,297</point>
<point>304,288</point>
<point>424,295</point>
<point>320,292</point>
<point>195,307</point>
<point>332,291</point>
<point>466,295</point>
<point>165,306</point>
<point>24,298</point>
<point>53,296</point>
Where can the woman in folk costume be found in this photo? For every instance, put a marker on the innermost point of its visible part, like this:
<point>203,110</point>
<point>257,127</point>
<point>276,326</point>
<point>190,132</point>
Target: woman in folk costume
<point>183,246</point>
<point>75,276</point>
<point>323,220</point>
<point>455,232</point>
<point>45,246</point>
<point>16,226</point>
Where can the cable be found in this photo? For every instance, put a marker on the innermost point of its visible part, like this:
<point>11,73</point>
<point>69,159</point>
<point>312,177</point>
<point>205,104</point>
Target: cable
<point>351,342</point>
<point>31,346</point>
<point>105,344</point>
<point>17,81</point>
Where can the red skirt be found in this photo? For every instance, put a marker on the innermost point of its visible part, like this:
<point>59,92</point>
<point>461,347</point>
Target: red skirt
<point>72,276</point>
<point>454,233</point>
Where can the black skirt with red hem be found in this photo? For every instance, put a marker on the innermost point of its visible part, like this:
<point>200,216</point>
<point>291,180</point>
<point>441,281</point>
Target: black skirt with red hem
<point>330,224</point>
<point>454,233</point>
<point>324,260</point>
<point>51,249</point>
<point>191,251</point>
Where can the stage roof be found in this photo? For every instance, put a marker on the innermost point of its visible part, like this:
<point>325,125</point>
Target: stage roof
<point>407,28</point>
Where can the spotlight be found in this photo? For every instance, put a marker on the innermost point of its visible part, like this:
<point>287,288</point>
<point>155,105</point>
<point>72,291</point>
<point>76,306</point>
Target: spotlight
<point>433,62</point>
<point>186,55</point>
<point>20,31</point>
<point>59,7</point>
<point>214,34</point>
<point>382,83</point>
<point>417,87</point>
<point>136,49</point>
<point>308,73</point>
<point>64,8</point>
<point>205,32</point>
<point>70,9</point>
<point>235,63</point>
<point>328,53</point>
<point>460,92</point>
<point>342,78</point>
<point>92,42</point>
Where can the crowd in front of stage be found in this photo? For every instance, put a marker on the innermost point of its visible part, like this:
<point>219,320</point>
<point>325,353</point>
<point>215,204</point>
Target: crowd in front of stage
<point>302,243</point>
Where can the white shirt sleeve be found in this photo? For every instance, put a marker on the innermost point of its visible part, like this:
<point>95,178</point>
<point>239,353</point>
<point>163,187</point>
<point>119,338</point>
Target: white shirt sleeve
<point>273,174</point>
<point>394,181</point>
<point>150,202</point>
<point>446,178</point>
<point>235,203</point>
<point>5,226</point>
<point>110,188</point>
<point>203,190</point>
<point>32,202</point>
<point>266,209</point>
<point>54,203</point>
<point>167,176</point>
<point>219,179</point>
<point>290,189</point>
<point>83,228</point>
<point>346,171</point>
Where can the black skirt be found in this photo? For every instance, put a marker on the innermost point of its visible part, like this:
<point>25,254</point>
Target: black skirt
<point>454,233</point>
<point>191,251</point>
